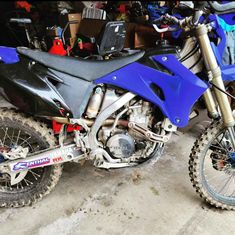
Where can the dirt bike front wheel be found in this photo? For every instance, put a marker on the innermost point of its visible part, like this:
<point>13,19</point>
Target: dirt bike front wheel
<point>212,167</point>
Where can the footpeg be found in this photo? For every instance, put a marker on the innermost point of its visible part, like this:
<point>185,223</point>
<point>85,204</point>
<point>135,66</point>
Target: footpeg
<point>146,133</point>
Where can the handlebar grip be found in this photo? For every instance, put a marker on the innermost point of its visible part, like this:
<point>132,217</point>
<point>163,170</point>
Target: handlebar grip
<point>160,30</point>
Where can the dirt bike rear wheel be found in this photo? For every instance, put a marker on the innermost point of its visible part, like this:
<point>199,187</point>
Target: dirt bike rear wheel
<point>17,129</point>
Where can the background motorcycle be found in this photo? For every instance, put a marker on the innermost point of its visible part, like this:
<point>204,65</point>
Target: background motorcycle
<point>117,113</point>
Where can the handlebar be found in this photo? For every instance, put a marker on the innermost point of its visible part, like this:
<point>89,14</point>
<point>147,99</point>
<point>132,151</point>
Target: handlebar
<point>168,19</point>
<point>222,8</point>
<point>165,19</point>
<point>187,22</point>
<point>192,21</point>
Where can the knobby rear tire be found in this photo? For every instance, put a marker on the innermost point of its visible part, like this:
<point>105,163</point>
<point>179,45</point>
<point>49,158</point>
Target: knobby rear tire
<point>50,175</point>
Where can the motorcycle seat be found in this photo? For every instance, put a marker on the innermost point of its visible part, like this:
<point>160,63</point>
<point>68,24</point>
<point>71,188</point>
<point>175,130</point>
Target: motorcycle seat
<point>88,70</point>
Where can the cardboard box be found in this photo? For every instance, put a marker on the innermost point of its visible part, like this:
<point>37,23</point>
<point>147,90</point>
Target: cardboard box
<point>145,36</point>
<point>72,28</point>
<point>140,36</point>
<point>130,35</point>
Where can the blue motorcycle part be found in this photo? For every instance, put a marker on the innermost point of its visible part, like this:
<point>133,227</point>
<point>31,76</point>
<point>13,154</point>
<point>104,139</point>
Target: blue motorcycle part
<point>8,55</point>
<point>179,88</point>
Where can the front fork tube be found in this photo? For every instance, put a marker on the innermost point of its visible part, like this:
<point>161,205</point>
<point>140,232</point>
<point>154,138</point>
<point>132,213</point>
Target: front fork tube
<point>214,73</point>
<point>210,104</point>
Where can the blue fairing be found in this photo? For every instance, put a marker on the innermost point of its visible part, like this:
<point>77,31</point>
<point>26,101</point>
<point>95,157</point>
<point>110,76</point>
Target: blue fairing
<point>8,55</point>
<point>181,88</point>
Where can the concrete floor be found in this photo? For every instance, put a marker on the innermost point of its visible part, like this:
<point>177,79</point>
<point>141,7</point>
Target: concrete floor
<point>153,199</point>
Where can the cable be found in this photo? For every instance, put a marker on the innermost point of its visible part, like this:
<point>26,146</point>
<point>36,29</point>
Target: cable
<point>226,93</point>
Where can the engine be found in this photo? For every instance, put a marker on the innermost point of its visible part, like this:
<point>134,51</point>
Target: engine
<point>121,145</point>
<point>117,135</point>
<point>120,140</point>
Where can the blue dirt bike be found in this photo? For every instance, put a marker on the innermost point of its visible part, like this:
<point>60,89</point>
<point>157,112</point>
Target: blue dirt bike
<point>117,113</point>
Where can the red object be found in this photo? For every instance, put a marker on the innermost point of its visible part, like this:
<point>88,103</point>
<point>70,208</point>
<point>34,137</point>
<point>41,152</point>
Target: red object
<point>58,48</point>
<point>80,45</point>
<point>88,46</point>
<point>57,127</point>
<point>122,8</point>
<point>23,4</point>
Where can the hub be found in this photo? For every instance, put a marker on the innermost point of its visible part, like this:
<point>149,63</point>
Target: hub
<point>220,161</point>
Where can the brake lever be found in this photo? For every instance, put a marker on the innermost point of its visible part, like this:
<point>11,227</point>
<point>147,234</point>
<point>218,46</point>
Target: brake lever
<point>172,18</point>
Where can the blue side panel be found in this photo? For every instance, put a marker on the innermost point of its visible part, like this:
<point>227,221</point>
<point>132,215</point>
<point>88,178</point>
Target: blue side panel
<point>181,89</point>
<point>8,55</point>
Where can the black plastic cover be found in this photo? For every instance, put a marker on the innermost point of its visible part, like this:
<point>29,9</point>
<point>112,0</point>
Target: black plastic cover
<point>112,37</point>
<point>84,69</point>
<point>36,90</point>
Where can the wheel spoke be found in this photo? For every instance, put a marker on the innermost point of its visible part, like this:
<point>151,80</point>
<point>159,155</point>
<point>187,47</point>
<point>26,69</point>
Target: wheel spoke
<point>221,146</point>
<point>27,182</point>
<point>224,186</point>
<point>8,135</point>
<point>21,144</point>
<point>21,186</point>
<point>215,176</point>
<point>4,139</point>
<point>214,146</point>
<point>34,174</point>
<point>17,139</point>
<point>222,136</point>
<point>12,136</point>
